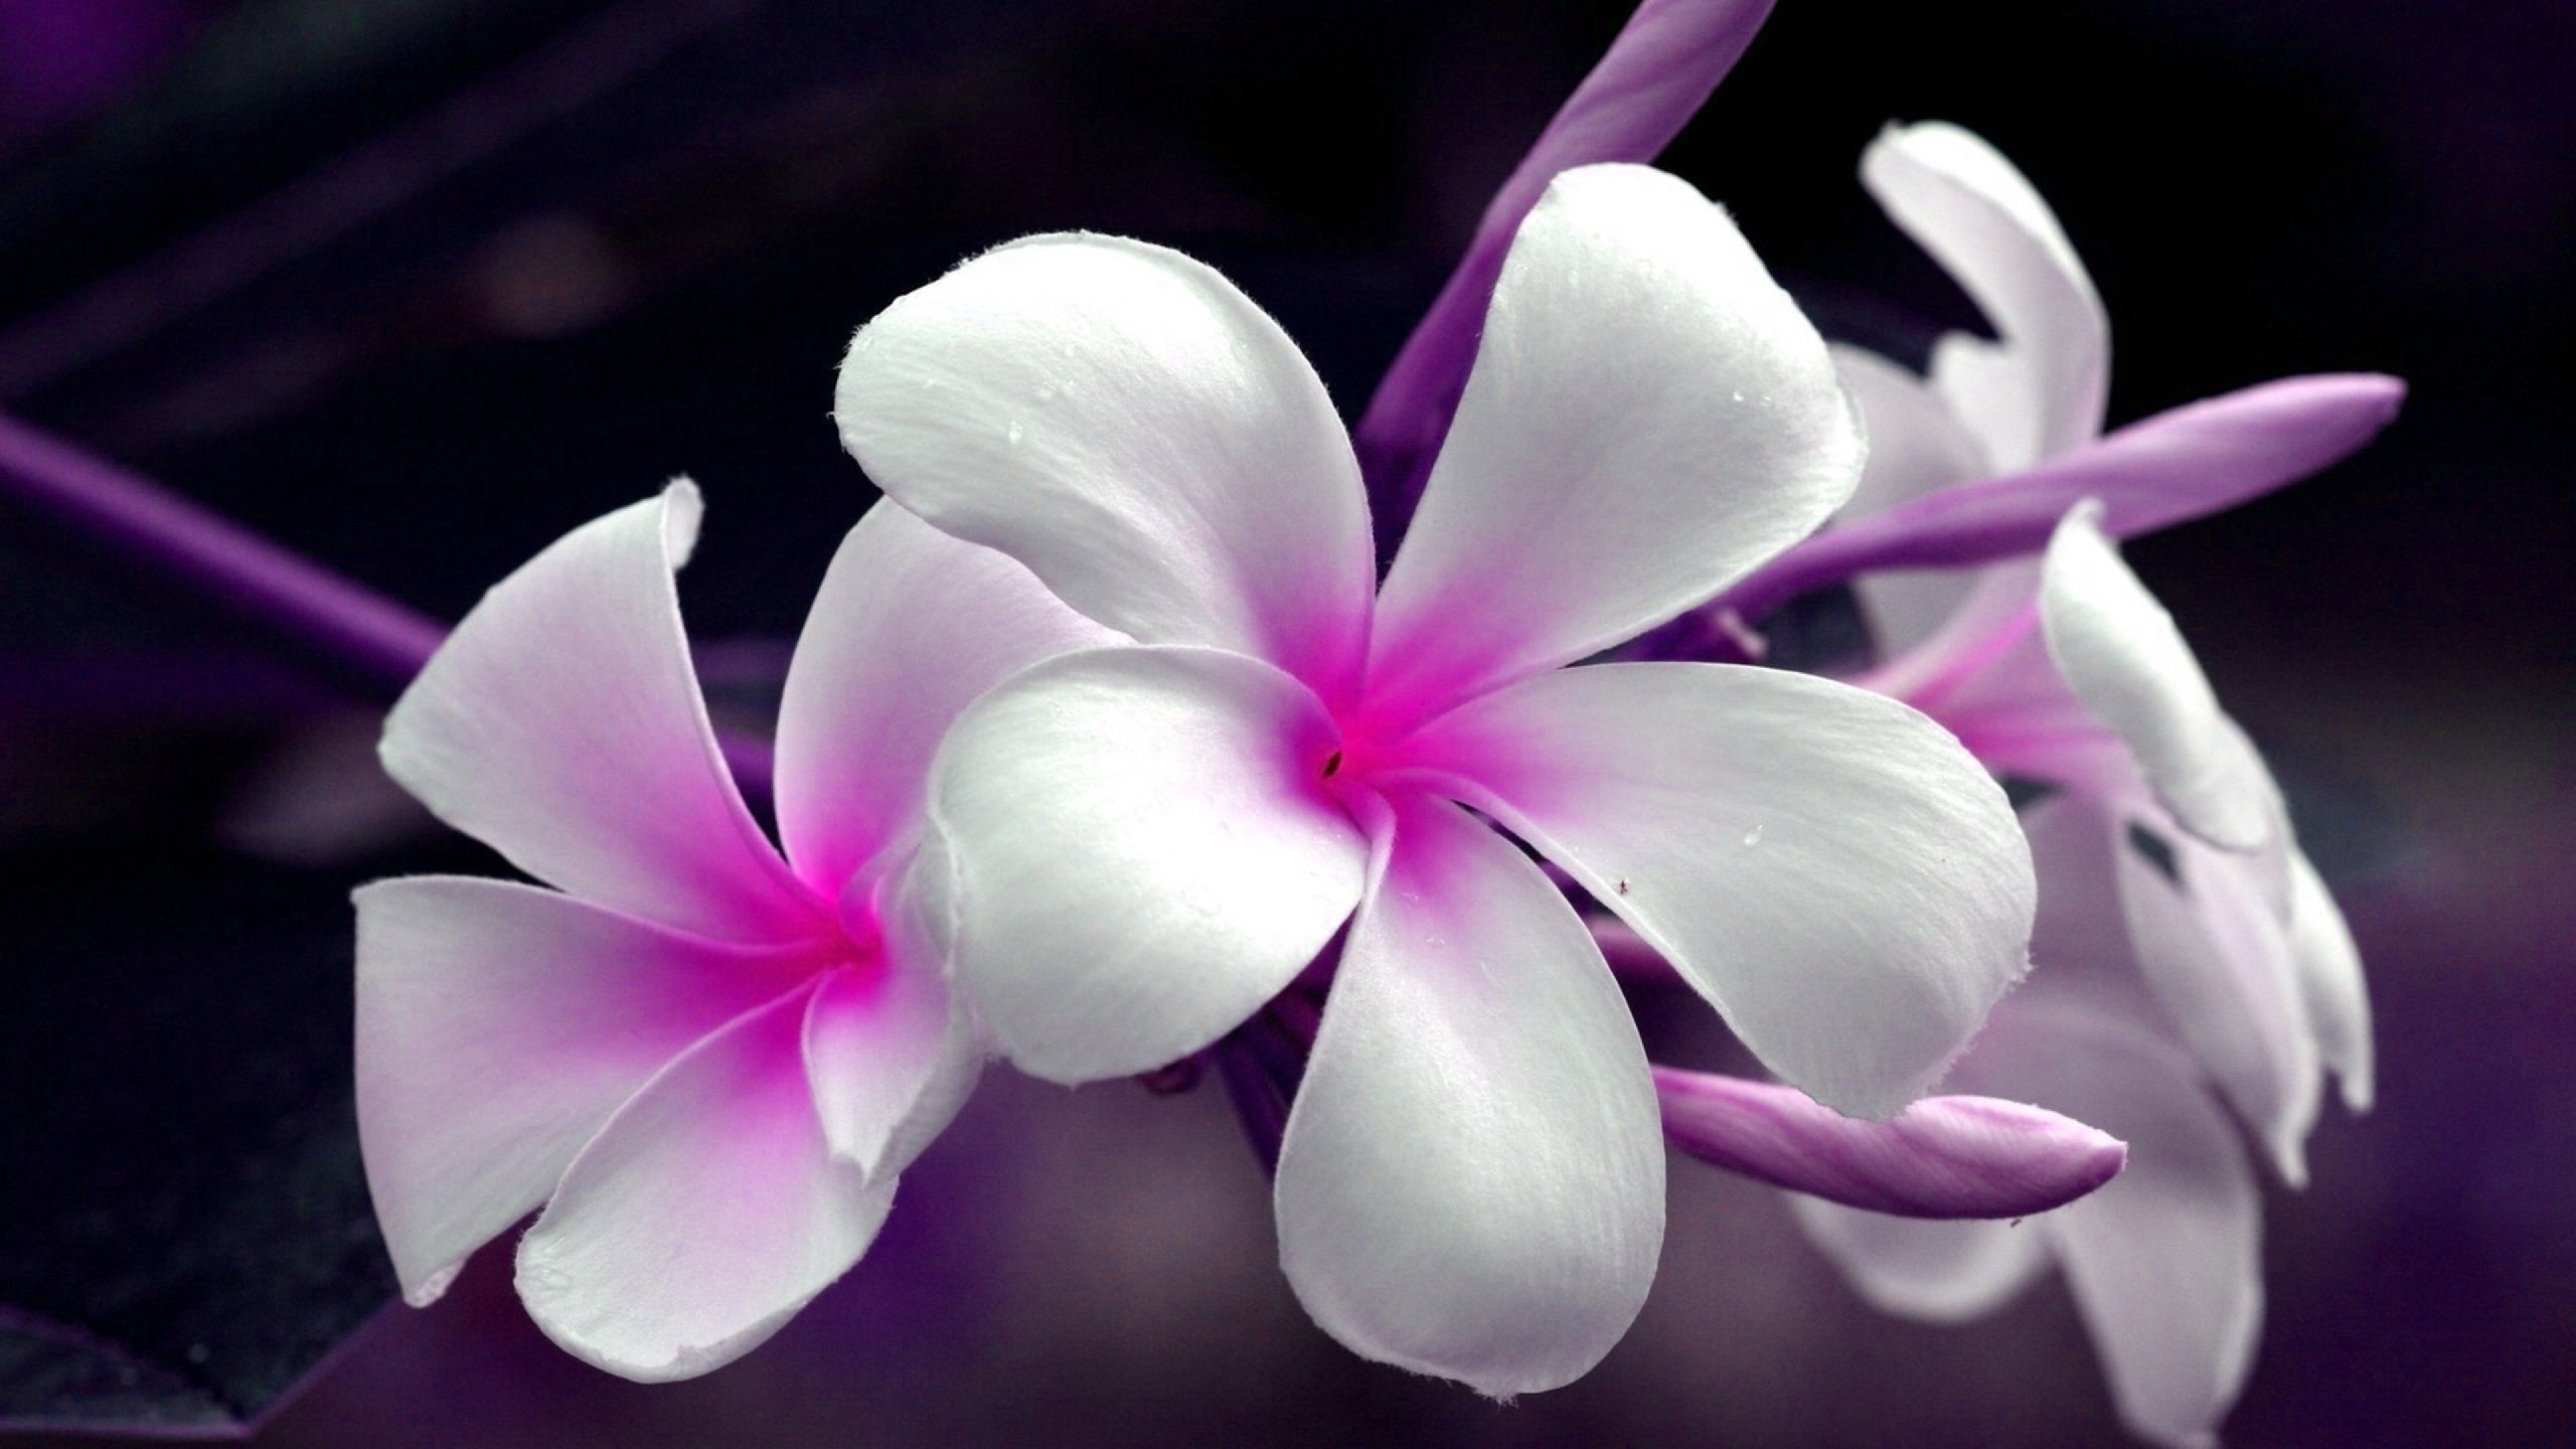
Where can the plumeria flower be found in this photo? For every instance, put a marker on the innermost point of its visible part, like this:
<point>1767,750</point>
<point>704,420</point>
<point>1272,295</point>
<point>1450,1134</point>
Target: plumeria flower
<point>708,1062</point>
<point>2229,963</point>
<point>1143,845</point>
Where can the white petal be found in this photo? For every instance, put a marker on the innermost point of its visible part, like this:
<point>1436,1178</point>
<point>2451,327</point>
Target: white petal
<point>890,1058</point>
<point>1649,417</point>
<point>561,725</point>
<point>1140,852</point>
<point>2081,931</point>
<point>2219,960</point>
<point>2120,652</point>
<point>1126,423</point>
<point>2330,982</point>
<point>1939,1272</point>
<point>911,625</point>
<point>1826,865</point>
<point>704,1214</point>
<point>1472,1183</point>
<point>2040,390</point>
<point>1991,620</point>
<point>2166,1261</point>
<point>1917,445</point>
<point>498,1025</point>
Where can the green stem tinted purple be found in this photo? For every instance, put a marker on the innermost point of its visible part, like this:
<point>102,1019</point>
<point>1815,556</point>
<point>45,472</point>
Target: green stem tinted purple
<point>369,644</point>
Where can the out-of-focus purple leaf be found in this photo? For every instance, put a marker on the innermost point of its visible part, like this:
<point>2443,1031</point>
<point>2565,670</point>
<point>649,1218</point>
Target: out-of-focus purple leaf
<point>188,1225</point>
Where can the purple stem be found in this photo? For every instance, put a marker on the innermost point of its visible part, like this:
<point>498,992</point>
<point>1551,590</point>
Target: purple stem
<point>360,636</point>
<point>1943,1157</point>
<point>1655,76</point>
<point>363,635</point>
<point>603,53</point>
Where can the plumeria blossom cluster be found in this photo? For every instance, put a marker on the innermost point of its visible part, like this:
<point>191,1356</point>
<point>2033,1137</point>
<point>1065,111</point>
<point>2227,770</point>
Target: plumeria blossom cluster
<point>1108,751</point>
<point>2186,943</point>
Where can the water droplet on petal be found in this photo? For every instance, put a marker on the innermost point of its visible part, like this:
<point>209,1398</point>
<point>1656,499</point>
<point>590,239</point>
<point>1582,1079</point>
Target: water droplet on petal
<point>1738,394</point>
<point>1013,436</point>
<point>1753,836</point>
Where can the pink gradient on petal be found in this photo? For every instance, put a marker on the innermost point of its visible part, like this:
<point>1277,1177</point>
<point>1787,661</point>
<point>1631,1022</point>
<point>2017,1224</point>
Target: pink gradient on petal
<point>498,1025</point>
<point>875,1036</point>
<point>1470,1182</point>
<point>909,628</point>
<point>1649,417</point>
<point>704,1214</point>
<point>561,724</point>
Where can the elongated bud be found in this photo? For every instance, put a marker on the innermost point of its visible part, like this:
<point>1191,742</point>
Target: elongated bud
<point>2188,463</point>
<point>1943,1157</point>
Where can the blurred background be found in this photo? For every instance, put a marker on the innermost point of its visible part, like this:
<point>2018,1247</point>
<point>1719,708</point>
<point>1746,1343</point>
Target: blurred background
<point>416,285</point>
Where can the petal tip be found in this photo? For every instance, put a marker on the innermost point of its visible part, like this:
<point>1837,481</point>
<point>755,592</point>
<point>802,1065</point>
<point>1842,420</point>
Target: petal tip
<point>2107,1160</point>
<point>2290,1159</point>
<point>542,1289</point>
<point>684,507</point>
<point>429,1287</point>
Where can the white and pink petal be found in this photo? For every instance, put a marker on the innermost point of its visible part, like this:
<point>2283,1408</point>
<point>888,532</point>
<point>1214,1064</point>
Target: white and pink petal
<point>1137,850</point>
<point>561,724</point>
<point>1649,417</point>
<point>1471,1184</point>
<point>2164,1261</point>
<point>498,1025</point>
<point>1127,424</point>
<point>890,1060</point>
<point>1917,446</point>
<point>706,1212</point>
<point>1827,866</point>
<point>910,627</point>
<point>2221,963</point>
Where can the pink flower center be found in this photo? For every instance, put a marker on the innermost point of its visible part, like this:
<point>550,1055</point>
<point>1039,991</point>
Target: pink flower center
<point>1352,763</point>
<point>862,938</point>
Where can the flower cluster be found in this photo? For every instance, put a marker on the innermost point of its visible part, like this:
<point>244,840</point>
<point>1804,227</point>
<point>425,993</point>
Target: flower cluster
<point>1107,748</point>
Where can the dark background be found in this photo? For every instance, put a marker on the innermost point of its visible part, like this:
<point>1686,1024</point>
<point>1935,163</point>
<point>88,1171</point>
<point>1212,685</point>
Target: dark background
<point>416,285</point>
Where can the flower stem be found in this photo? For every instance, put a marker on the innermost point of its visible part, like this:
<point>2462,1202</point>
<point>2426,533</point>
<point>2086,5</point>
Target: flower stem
<point>363,641</point>
<point>361,637</point>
